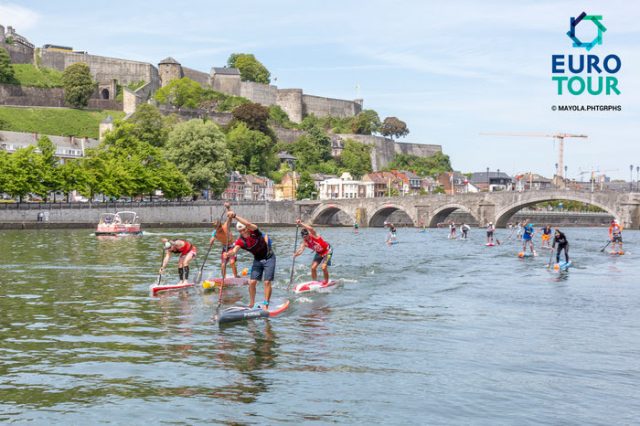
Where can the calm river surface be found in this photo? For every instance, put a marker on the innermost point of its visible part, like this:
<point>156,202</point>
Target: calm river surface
<point>428,331</point>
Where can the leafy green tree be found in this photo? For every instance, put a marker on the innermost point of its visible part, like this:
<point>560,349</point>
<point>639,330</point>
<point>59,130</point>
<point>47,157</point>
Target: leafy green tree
<point>250,68</point>
<point>73,177</point>
<point>27,171</point>
<point>278,116</point>
<point>366,123</point>
<point>7,74</point>
<point>50,167</point>
<point>181,93</point>
<point>311,149</point>
<point>306,187</point>
<point>6,171</point>
<point>251,150</point>
<point>149,125</point>
<point>392,126</point>
<point>356,158</point>
<point>78,85</point>
<point>255,116</point>
<point>199,151</point>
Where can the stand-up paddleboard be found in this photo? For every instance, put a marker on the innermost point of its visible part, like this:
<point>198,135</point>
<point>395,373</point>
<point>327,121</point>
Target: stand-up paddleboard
<point>243,313</point>
<point>155,289</point>
<point>616,253</point>
<point>313,286</point>
<point>522,255</point>
<point>562,266</point>
<point>213,283</point>
<point>489,244</point>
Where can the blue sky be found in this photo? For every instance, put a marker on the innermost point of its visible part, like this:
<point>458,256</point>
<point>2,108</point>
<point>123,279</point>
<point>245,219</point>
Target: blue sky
<point>451,70</point>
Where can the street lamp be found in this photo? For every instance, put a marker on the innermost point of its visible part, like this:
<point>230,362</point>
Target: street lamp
<point>488,181</point>
<point>631,178</point>
<point>637,177</point>
<point>566,178</point>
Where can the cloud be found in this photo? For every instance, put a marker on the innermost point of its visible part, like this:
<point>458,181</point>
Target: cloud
<point>18,17</point>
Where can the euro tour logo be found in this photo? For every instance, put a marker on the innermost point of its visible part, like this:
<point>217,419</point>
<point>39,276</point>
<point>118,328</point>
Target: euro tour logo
<point>587,73</point>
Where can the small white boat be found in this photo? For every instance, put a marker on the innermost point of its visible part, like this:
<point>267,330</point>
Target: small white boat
<point>120,223</point>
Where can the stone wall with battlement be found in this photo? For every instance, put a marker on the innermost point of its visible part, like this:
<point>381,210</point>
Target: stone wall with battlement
<point>322,107</point>
<point>198,76</point>
<point>52,97</point>
<point>20,49</point>
<point>102,68</point>
<point>263,94</point>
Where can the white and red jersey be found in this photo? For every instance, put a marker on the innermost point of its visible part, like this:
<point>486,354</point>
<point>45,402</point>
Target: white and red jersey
<point>317,244</point>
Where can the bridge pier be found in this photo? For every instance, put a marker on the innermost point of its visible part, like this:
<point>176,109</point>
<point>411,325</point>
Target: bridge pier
<point>486,213</point>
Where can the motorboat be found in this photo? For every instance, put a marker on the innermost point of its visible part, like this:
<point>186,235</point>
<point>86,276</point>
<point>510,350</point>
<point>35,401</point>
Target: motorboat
<point>120,223</point>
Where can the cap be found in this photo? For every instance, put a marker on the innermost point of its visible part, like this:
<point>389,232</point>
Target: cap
<point>167,244</point>
<point>386,223</point>
<point>240,226</point>
<point>304,232</point>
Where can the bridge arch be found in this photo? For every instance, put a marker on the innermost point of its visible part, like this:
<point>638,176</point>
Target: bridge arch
<point>382,214</point>
<point>331,214</point>
<point>503,215</point>
<point>441,213</point>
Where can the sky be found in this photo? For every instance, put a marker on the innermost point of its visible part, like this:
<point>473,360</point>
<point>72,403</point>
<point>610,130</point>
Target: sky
<point>451,70</point>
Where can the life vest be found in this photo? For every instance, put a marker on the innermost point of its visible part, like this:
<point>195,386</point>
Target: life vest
<point>256,245</point>
<point>184,250</point>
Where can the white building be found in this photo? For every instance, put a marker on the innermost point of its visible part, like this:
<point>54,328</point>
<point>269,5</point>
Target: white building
<point>345,187</point>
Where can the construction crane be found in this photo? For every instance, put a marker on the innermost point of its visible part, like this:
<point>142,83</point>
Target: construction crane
<point>595,177</point>
<point>559,136</point>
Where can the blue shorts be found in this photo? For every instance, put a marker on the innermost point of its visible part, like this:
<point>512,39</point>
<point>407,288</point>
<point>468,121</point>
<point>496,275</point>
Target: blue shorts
<point>266,267</point>
<point>324,259</point>
<point>526,237</point>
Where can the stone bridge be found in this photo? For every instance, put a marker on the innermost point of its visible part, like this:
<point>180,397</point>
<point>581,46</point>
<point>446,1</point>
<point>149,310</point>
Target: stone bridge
<point>496,207</point>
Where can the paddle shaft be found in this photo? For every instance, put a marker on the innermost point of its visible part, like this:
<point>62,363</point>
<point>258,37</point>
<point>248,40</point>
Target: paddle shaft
<point>553,250</point>
<point>205,260</point>
<point>224,267</point>
<point>293,261</point>
<point>160,274</point>
<point>605,246</point>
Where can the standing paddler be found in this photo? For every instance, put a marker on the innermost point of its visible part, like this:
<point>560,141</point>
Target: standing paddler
<point>222,233</point>
<point>264,259</point>
<point>186,251</point>
<point>323,251</point>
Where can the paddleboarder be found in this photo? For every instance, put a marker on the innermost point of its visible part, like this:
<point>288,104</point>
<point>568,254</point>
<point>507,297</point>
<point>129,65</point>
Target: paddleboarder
<point>527,237</point>
<point>186,251</point>
<point>560,240</point>
<point>465,231</point>
<point>222,233</point>
<point>264,259</point>
<point>490,230</point>
<point>323,251</point>
<point>452,230</point>
<point>391,237</point>
<point>546,236</point>
<point>615,235</point>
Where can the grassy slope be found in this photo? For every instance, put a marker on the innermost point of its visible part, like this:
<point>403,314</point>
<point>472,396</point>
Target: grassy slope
<point>29,75</point>
<point>55,121</point>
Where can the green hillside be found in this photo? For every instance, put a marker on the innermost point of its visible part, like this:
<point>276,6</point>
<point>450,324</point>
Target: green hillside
<point>29,75</point>
<point>54,121</point>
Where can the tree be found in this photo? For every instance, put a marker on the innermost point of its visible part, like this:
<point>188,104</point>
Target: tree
<point>392,126</point>
<point>255,116</point>
<point>183,92</point>
<point>251,150</point>
<point>149,125</point>
<point>50,167</point>
<point>199,151</point>
<point>366,123</point>
<point>356,158</point>
<point>73,177</point>
<point>78,85</point>
<point>250,68</point>
<point>306,187</point>
<point>27,175</point>
<point>312,149</point>
<point>7,75</point>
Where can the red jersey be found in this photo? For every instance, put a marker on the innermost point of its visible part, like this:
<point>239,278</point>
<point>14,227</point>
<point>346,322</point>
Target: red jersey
<point>186,248</point>
<point>317,244</point>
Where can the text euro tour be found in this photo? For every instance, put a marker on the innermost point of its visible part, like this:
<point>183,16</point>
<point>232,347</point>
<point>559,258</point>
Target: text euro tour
<point>594,83</point>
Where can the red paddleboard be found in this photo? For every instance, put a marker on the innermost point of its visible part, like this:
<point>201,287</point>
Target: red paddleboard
<point>489,244</point>
<point>313,286</point>
<point>155,289</point>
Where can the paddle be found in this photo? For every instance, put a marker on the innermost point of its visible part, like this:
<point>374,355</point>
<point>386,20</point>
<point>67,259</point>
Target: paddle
<point>224,266</point>
<point>553,250</point>
<point>204,261</point>
<point>293,261</point>
<point>606,245</point>
<point>160,274</point>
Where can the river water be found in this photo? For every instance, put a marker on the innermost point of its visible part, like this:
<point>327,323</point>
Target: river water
<point>428,331</point>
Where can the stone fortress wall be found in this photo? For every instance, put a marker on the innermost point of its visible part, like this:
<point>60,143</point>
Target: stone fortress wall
<point>107,71</point>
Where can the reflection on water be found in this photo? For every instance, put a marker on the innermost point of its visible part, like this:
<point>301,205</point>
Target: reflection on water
<point>444,331</point>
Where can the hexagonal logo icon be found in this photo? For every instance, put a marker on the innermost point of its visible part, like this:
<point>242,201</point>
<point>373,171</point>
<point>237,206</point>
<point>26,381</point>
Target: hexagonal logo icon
<point>595,19</point>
